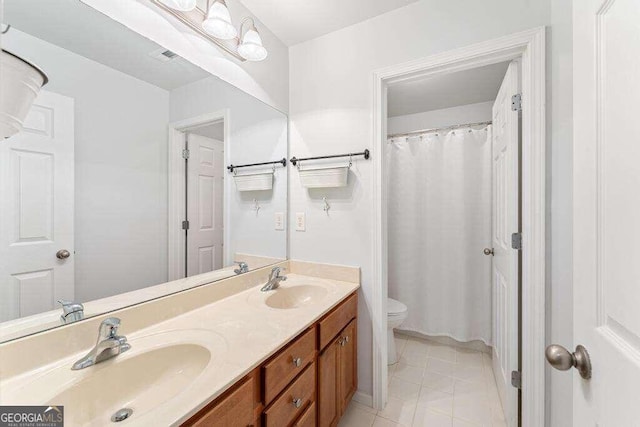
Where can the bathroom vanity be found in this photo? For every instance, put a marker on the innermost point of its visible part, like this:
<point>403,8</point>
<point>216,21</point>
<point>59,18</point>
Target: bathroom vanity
<point>309,382</point>
<point>225,353</point>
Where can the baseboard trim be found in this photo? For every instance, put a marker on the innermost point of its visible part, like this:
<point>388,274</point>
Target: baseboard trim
<point>363,398</point>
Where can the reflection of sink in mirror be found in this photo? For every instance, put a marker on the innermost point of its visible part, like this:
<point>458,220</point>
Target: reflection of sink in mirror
<point>113,128</point>
<point>296,296</point>
<point>142,382</point>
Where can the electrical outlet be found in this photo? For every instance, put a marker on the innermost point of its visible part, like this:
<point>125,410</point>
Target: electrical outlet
<point>300,221</point>
<point>279,219</point>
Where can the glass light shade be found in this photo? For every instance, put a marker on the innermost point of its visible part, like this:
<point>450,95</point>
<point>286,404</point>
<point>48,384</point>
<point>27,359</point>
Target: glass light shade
<point>251,47</point>
<point>182,5</point>
<point>218,22</point>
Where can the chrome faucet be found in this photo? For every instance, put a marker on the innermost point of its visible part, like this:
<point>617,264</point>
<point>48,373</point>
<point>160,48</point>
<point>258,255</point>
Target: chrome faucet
<point>274,280</point>
<point>71,311</point>
<point>109,345</point>
<point>243,267</point>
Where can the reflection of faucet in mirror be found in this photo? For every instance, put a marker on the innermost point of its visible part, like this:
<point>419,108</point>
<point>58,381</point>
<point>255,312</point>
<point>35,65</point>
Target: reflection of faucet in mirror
<point>71,311</point>
<point>274,280</point>
<point>243,267</point>
<point>109,345</point>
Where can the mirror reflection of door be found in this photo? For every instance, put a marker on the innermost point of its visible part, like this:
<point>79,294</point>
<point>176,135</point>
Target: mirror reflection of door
<point>37,210</point>
<point>98,172</point>
<point>205,195</point>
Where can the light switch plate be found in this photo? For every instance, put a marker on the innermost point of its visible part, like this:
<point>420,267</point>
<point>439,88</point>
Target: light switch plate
<point>279,221</point>
<point>300,221</point>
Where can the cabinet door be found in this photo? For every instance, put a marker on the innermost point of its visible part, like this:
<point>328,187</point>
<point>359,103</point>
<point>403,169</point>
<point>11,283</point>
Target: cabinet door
<point>327,385</point>
<point>348,369</point>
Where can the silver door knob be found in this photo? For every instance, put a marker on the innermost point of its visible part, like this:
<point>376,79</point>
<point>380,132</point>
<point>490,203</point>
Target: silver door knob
<point>561,359</point>
<point>63,254</point>
<point>488,251</point>
<point>297,402</point>
<point>297,362</point>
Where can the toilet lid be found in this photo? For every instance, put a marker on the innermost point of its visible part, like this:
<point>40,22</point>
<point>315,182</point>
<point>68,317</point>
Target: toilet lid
<point>395,307</point>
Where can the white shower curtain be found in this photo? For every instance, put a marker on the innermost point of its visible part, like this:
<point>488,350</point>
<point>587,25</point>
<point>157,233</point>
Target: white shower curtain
<point>439,222</point>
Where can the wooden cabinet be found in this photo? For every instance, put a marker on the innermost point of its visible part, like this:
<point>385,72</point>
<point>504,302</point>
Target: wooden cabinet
<point>347,366</point>
<point>329,413</point>
<point>286,365</point>
<point>293,401</point>
<point>308,418</point>
<point>337,376</point>
<point>308,383</point>
<point>237,407</point>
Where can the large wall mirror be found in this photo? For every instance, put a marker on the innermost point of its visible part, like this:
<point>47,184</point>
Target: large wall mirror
<point>117,190</point>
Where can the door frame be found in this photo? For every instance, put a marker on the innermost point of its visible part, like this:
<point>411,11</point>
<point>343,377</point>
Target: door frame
<point>529,47</point>
<point>176,197</point>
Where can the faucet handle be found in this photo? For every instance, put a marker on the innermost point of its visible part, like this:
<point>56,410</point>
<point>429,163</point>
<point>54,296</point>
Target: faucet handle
<point>109,328</point>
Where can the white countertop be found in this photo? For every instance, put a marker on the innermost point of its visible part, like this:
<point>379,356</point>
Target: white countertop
<point>239,332</point>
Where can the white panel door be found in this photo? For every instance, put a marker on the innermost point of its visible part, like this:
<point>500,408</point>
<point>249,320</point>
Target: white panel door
<point>505,154</point>
<point>205,204</point>
<point>606,217</point>
<point>36,210</point>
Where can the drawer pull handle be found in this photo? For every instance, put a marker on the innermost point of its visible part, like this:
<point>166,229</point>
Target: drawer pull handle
<point>297,402</point>
<point>297,362</point>
<point>343,341</point>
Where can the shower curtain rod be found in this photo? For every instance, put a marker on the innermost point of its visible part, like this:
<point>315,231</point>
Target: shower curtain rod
<point>418,132</point>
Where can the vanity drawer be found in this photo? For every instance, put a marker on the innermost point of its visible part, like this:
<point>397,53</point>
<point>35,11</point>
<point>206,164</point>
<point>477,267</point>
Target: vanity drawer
<point>308,419</point>
<point>235,409</point>
<point>335,321</point>
<point>288,364</point>
<point>283,412</point>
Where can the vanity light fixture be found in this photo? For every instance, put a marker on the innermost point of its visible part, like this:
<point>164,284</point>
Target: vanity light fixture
<point>215,25</point>
<point>250,47</point>
<point>181,5</point>
<point>218,21</point>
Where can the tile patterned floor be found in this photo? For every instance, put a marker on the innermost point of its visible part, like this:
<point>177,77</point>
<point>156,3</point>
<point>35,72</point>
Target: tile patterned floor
<point>434,385</point>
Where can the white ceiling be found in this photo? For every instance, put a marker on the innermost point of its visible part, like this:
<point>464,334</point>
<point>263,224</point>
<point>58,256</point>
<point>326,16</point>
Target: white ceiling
<point>74,26</point>
<point>449,90</point>
<point>295,21</point>
<point>215,131</point>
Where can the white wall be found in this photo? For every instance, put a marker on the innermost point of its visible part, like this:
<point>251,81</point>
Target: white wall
<point>463,114</point>
<point>258,134</point>
<point>121,169</point>
<point>266,80</point>
<point>330,107</point>
<point>560,207</point>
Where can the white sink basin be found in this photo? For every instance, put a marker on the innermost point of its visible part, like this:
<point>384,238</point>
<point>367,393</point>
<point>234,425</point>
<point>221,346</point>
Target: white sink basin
<point>166,371</point>
<point>159,371</point>
<point>296,296</point>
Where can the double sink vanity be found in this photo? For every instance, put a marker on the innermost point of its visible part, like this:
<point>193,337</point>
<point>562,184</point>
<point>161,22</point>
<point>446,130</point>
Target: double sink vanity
<point>227,353</point>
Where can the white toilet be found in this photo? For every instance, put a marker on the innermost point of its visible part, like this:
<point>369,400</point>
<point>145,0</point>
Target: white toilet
<point>396,314</point>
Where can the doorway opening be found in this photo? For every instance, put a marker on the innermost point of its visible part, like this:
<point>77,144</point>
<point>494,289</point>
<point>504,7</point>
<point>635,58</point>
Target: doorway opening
<point>521,228</point>
<point>452,161</point>
<point>197,212</point>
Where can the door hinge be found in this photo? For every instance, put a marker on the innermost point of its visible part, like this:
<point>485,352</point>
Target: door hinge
<point>516,379</point>
<point>185,225</point>
<point>516,102</point>
<point>185,153</point>
<point>516,241</point>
